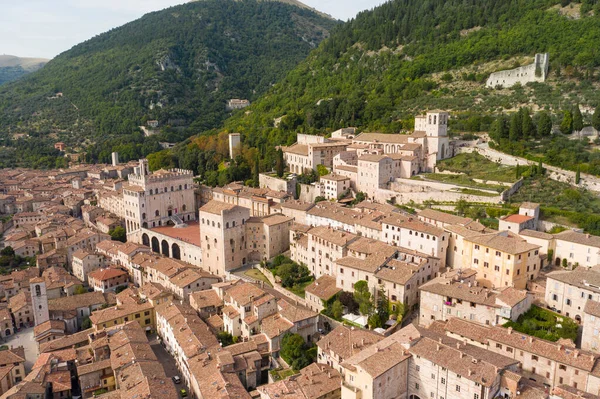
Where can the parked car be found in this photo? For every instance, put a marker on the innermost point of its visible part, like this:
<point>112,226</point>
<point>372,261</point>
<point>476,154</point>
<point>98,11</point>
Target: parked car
<point>176,379</point>
<point>183,393</point>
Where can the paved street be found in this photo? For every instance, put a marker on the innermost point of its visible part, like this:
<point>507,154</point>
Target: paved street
<point>168,363</point>
<point>25,338</point>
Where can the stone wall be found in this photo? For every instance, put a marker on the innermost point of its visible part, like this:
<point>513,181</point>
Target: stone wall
<point>522,75</point>
<point>587,181</point>
<point>383,195</point>
<point>277,184</point>
<point>506,194</point>
<point>308,192</point>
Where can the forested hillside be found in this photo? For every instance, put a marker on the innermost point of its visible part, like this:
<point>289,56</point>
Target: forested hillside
<point>13,68</point>
<point>405,56</point>
<point>178,66</point>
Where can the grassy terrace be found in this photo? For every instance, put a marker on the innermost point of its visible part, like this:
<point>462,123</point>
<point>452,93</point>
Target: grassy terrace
<point>257,275</point>
<point>462,180</point>
<point>545,324</point>
<point>476,166</point>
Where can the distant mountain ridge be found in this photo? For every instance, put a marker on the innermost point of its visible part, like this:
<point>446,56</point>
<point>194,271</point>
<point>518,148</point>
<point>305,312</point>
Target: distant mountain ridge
<point>178,66</point>
<point>13,67</point>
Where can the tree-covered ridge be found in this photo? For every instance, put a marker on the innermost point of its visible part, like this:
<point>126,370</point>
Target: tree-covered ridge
<point>375,71</point>
<point>179,66</point>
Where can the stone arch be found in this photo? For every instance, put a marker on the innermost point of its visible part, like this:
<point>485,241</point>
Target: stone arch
<point>145,225</point>
<point>175,251</point>
<point>414,396</point>
<point>165,248</point>
<point>145,240</point>
<point>7,332</point>
<point>155,245</point>
<point>557,261</point>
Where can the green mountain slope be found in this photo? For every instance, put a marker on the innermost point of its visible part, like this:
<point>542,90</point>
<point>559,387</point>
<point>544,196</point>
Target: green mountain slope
<point>13,68</point>
<point>178,66</point>
<point>381,68</point>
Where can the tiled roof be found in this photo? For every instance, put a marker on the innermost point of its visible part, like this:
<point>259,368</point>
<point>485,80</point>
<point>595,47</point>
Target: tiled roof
<point>578,238</point>
<point>345,341</point>
<point>505,242</point>
<point>324,287</point>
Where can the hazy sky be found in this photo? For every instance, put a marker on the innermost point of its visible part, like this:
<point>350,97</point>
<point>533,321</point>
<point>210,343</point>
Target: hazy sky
<point>45,28</point>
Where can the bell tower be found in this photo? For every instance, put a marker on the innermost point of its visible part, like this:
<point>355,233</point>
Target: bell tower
<point>39,300</point>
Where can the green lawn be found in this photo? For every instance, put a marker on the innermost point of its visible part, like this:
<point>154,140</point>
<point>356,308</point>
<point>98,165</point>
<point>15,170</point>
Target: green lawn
<point>257,275</point>
<point>477,166</point>
<point>543,323</point>
<point>282,374</point>
<point>462,180</point>
<point>470,191</point>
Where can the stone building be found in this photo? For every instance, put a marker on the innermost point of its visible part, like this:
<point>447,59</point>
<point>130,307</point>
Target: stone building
<point>568,291</point>
<point>590,335</point>
<point>501,259</point>
<point>459,295</point>
<point>159,198</point>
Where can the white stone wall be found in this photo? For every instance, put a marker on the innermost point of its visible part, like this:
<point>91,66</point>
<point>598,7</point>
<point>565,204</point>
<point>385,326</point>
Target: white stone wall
<point>523,74</point>
<point>590,337</point>
<point>568,299</point>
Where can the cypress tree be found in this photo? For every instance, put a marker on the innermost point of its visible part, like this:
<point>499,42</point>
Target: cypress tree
<point>256,171</point>
<point>577,119</point>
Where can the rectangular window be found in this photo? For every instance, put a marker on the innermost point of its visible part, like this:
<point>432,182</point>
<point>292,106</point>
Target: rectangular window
<point>458,388</point>
<point>443,380</point>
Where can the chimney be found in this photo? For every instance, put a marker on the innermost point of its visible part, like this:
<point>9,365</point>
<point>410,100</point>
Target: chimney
<point>458,345</point>
<point>509,329</point>
<point>530,340</point>
<point>575,354</point>
<point>470,372</point>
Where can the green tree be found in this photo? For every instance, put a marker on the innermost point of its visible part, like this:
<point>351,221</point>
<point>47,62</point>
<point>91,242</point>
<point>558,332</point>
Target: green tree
<point>544,125</point>
<point>566,126</point>
<point>461,206</point>
<point>578,175</point>
<point>225,338</point>
<point>322,170</point>
<point>596,119</point>
<point>528,128</point>
<point>7,251</point>
<point>515,132</point>
<point>362,295</point>
<point>118,234</point>
<point>499,129</point>
<point>80,289</point>
<point>256,173</point>
<point>337,309</point>
<point>565,263</point>
<point>360,197</point>
<point>280,164</point>
<point>375,321</point>
<point>577,119</point>
<point>86,323</point>
<point>383,305</point>
<point>293,350</point>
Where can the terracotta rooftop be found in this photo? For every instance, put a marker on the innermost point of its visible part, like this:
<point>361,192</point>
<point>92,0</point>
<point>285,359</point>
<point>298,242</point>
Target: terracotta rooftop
<point>189,234</point>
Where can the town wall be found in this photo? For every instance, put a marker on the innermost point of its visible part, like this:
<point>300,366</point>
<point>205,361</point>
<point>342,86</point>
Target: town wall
<point>535,72</point>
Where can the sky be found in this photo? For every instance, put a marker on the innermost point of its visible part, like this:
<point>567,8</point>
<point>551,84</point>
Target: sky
<point>45,28</point>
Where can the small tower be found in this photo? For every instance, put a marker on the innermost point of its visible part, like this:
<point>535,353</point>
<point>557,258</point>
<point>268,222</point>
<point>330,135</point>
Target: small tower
<point>144,168</point>
<point>39,300</point>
